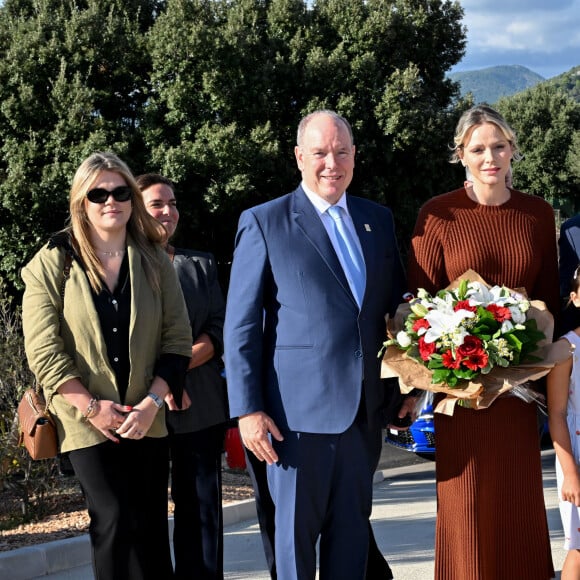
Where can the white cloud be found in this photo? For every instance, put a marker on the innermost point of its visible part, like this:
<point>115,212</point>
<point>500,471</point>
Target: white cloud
<point>542,35</point>
<point>511,6</point>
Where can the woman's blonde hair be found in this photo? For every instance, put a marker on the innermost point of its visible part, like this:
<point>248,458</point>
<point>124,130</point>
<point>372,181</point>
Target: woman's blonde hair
<point>478,116</point>
<point>145,231</point>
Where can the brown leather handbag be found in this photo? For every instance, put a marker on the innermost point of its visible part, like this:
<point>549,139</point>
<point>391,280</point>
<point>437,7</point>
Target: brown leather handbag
<point>37,428</point>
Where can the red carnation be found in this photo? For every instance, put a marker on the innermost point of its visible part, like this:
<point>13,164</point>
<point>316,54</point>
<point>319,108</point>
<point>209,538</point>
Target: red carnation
<point>449,361</point>
<point>426,349</point>
<point>476,361</point>
<point>464,305</point>
<point>471,353</point>
<point>420,323</point>
<point>500,313</point>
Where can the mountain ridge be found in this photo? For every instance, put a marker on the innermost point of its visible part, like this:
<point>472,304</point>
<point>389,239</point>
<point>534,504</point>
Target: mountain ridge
<point>489,84</point>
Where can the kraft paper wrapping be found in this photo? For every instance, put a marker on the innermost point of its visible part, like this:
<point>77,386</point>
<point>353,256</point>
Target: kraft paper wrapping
<point>483,390</point>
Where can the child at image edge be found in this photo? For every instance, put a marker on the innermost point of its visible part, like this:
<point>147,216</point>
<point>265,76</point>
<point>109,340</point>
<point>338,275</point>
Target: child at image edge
<point>564,420</point>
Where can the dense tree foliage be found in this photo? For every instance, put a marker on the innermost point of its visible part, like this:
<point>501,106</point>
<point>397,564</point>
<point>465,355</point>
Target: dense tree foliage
<point>547,123</point>
<point>573,159</point>
<point>210,92</point>
<point>230,81</point>
<point>72,78</point>
<point>569,82</point>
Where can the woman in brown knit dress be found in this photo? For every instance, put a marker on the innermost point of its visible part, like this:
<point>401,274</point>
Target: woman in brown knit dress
<point>491,518</point>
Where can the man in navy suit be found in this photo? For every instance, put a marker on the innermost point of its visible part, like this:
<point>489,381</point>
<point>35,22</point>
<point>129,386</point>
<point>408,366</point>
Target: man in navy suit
<point>301,353</point>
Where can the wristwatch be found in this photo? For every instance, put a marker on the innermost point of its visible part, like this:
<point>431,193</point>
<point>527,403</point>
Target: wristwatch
<point>156,399</point>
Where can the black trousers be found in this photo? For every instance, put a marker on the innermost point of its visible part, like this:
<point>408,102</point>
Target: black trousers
<point>196,489</point>
<point>125,485</point>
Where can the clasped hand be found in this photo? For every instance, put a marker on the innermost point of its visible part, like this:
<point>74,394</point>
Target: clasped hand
<point>123,420</point>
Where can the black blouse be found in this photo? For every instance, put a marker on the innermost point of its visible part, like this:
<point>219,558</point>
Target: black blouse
<point>114,311</point>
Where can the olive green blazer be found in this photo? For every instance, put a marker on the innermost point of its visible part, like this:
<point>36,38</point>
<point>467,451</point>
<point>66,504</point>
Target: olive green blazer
<point>159,324</point>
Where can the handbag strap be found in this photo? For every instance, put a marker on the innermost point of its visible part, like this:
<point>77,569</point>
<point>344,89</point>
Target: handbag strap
<point>65,277</point>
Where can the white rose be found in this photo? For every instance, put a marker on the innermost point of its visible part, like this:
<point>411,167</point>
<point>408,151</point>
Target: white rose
<point>403,339</point>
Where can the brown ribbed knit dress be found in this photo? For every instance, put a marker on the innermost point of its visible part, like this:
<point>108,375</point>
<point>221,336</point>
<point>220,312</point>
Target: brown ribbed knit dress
<point>491,517</point>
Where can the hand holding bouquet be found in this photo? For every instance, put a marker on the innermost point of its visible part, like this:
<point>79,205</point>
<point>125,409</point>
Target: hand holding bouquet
<point>471,341</point>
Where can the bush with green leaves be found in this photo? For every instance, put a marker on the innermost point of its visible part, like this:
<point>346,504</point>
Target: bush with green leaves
<point>25,485</point>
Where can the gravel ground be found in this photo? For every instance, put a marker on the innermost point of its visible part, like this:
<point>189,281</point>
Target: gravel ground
<point>67,516</point>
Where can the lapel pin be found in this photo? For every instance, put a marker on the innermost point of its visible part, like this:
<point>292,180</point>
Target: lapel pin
<point>367,227</point>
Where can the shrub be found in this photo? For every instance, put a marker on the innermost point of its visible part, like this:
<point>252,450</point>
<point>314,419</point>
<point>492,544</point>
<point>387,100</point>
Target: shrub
<point>25,484</point>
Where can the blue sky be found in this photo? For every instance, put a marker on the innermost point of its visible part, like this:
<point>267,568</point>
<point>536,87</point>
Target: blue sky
<point>542,35</point>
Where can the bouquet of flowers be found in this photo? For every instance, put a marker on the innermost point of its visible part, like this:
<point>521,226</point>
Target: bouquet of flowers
<point>466,331</point>
<point>471,341</point>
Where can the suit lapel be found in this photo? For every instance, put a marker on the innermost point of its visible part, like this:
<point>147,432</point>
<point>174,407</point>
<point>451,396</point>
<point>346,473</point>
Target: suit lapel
<point>84,288</point>
<point>135,272</point>
<point>308,221</point>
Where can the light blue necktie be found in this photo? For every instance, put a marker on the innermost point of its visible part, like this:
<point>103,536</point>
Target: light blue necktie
<point>352,259</point>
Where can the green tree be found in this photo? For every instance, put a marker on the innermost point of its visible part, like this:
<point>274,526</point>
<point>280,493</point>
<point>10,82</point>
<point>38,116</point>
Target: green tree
<point>569,82</point>
<point>210,92</point>
<point>71,82</point>
<point>230,82</point>
<point>391,60</point>
<point>574,160</point>
<point>547,122</point>
<point>223,107</point>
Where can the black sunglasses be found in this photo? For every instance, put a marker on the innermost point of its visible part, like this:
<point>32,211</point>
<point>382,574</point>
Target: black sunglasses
<point>100,195</point>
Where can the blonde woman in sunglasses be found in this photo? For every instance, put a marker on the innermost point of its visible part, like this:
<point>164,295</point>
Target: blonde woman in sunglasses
<point>106,356</point>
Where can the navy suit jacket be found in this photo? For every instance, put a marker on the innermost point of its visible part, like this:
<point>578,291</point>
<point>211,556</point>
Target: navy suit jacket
<point>297,346</point>
<point>569,244</point>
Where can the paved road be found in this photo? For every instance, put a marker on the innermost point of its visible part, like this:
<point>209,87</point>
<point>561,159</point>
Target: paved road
<point>404,522</point>
<point>403,519</point>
